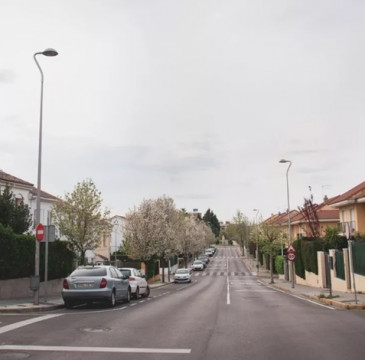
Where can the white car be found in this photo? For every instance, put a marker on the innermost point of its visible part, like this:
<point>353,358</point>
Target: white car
<point>209,252</point>
<point>182,275</point>
<point>198,265</point>
<point>137,282</point>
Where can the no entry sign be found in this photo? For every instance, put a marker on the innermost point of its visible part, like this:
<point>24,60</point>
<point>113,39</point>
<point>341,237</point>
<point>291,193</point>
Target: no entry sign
<point>39,232</point>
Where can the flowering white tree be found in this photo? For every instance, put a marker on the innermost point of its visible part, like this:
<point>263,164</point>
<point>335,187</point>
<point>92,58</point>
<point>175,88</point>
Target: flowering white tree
<point>193,236</point>
<point>151,230</point>
<point>81,219</point>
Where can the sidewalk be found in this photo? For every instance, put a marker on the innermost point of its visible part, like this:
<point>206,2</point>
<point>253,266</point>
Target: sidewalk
<point>26,305</point>
<point>343,300</point>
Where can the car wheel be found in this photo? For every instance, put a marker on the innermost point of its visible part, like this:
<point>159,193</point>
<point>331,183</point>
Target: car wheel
<point>128,298</point>
<point>147,292</point>
<point>112,300</point>
<point>136,294</point>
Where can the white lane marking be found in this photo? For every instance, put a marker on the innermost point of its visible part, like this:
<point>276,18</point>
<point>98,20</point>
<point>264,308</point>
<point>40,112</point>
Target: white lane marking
<point>228,293</point>
<point>94,349</point>
<point>253,291</point>
<point>20,324</point>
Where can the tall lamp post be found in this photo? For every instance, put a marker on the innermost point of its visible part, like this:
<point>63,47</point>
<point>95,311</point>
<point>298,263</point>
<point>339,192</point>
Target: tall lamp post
<point>47,52</point>
<point>283,161</point>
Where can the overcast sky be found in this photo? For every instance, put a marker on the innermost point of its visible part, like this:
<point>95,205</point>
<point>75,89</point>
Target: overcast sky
<point>197,100</point>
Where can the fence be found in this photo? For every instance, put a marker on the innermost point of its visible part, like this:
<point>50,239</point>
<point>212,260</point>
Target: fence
<point>340,265</point>
<point>359,257</point>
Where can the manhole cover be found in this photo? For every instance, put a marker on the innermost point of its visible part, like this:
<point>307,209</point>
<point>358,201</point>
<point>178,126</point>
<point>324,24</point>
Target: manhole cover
<point>95,330</point>
<point>14,356</point>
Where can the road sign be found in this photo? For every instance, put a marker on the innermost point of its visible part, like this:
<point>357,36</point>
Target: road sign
<point>290,249</point>
<point>39,232</point>
<point>291,256</point>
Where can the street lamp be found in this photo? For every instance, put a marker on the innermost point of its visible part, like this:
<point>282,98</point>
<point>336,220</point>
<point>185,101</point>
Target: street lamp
<point>283,161</point>
<point>47,52</point>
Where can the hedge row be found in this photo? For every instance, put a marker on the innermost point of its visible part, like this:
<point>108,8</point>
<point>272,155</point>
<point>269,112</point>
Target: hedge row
<point>17,256</point>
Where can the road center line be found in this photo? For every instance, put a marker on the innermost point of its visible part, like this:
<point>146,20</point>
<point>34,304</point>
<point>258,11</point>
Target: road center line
<point>93,349</point>
<point>228,293</point>
<point>20,324</point>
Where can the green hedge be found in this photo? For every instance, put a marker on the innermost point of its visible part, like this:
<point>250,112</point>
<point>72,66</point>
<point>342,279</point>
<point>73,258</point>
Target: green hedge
<point>17,256</point>
<point>306,255</point>
<point>279,264</point>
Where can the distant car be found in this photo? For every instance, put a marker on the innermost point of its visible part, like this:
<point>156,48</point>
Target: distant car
<point>198,265</point>
<point>139,285</point>
<point>182,275</point>
<point>101,283</point>
<point>209,252</point>
<point>214,248</point>
<point>204,258</point>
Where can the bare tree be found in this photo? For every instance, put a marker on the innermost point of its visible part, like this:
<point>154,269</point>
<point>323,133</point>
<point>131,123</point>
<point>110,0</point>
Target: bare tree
<point>309,211</point>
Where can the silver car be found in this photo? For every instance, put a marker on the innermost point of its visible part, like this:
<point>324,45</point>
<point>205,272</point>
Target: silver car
<point>101,283</point>
<point>182,276</point>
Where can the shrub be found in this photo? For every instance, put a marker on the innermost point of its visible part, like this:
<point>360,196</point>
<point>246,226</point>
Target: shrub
<point>17,253</point>
<point>279,264</point>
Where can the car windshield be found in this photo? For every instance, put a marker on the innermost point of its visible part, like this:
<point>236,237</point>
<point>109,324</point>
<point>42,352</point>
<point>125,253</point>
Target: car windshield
<point>197,262</point>
<point>182,271</point>
<point>125,272</point>
<point>94,271</point>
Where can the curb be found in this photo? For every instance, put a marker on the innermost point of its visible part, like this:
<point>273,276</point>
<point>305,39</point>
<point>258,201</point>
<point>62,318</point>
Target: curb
<point>16,309</point>
<point>339,304</point>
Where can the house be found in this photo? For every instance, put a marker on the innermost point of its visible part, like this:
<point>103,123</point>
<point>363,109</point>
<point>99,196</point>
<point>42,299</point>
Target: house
<point>281,221</point>
<point>324,213</point>
<point>351,207</point>
<point>26,193</point>
<point>110,244</point>
<point>301,226</point>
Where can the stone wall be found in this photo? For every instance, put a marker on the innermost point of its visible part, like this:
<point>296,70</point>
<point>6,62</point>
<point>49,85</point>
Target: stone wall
<point>20,288</point>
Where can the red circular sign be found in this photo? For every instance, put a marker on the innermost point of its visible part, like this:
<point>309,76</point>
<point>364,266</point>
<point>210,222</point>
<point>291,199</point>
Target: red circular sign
<point>291,256</point>
<point>39,232</point>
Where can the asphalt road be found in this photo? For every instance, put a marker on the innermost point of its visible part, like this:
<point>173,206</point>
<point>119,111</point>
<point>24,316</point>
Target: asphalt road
<point>224,314</point>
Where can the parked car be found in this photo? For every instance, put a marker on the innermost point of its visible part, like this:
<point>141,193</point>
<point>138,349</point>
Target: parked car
<point>182,275</point>
<point>213,247</point>
<point>139,285</point>
<point>209,252</point>
<point>204,258</point>
<point>198,265</point>
<point>101,283</point>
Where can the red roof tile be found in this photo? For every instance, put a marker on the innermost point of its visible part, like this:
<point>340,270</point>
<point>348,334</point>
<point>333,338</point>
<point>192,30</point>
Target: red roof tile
<point>353,194</point>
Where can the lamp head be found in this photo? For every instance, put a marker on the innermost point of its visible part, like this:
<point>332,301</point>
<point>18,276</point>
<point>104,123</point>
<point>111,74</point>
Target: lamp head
<point>284,161</point>
<point>50,52</point>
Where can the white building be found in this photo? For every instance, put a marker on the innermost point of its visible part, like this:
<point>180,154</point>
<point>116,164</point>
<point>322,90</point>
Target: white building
<point>26,193</point>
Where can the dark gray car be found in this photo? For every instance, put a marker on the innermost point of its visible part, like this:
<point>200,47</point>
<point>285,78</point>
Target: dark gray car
<point>101,283</point>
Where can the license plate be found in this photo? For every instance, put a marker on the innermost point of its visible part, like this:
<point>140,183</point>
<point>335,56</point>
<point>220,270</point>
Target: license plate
<point>84,286</point>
